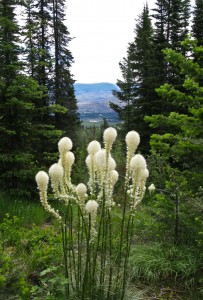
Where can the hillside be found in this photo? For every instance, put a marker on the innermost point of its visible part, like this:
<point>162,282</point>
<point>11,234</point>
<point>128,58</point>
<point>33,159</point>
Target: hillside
<point>93,101</point>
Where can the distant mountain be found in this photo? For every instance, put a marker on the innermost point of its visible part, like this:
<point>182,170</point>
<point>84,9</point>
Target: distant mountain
<point>93,100</point>
<point>94,87</point>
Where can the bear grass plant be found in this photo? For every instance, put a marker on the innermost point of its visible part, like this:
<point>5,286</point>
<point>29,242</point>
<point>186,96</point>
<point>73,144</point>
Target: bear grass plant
<point>96,229</point>
<point>159,264</point>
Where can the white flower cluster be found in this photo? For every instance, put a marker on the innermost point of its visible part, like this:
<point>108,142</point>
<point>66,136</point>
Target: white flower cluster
<point>136,169</point>
<point>60,175</point>
<point>102,176</point>
<point>42,180</point>
<point>101,166</point>
<point>132,141</point>
<point>81,191</point>
<point>91,208</point>
<point>139,174</point>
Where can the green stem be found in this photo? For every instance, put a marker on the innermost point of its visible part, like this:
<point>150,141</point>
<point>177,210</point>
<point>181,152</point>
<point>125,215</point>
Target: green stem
<point>74,275</point>
<point>110,255</point>
<point>96,251</point>
<point>79,254</point>
<point>128,247</point>
<point>64,241</point>
<point>102,269</point>
<point>86,277</point>
<point>121,244</point>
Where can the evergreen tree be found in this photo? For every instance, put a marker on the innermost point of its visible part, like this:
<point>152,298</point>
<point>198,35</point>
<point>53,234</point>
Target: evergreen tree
<point>160,40</point>
<point>126,94</point>
<point>9,45</point>
<point>181,145</point>
<point>15,104</point>
<point>49,61</point>
<point>38,47</point>
<point>197,27</point>
<point>43,61</point>
<point>31,51</point>
<point>171,27</point>
<point>63,85</point>
<point>137,89</point>
<point>22,129</point>
<point>43,20</point>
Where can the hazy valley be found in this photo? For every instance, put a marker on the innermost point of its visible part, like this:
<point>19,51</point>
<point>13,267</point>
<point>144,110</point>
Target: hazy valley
<point>93,101</point>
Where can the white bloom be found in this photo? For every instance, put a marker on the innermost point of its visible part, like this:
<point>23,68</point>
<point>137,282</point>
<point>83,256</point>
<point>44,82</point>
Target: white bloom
<point>56,172</point>
<point>81,189</point>
<point>132,140</point>
<point>151,188</point>
<point>113,176</point>
<point>112,164</point>
<point>65,144</point>
<point>109,136</point>
<point>42,180</point>
<point>100,159</point>
<point>69,159</point>
<point>138,162</point>
<point>88,161</point>
<point>144,175</point>
<point>93,147</point>
<point>91,206</point>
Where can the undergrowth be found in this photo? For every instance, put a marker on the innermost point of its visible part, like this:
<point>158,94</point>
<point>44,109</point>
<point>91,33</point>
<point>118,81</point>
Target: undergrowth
<point>159,264</point>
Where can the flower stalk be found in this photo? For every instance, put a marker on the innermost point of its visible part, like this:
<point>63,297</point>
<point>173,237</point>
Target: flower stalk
<point>95,262</point>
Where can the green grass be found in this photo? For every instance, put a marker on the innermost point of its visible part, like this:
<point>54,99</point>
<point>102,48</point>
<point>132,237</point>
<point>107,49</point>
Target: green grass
<point>166,264</point>
<point>28,212</point>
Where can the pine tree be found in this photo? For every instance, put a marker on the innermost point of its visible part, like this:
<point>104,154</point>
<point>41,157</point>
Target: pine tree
<point>39,57</point>
<point>181,145</point>
<point>49,62</point>
<point>197,27</point>
<point>24,134</point>
<point>63,83</point>
<point>126,94</point>
<point>160,40</point>
<point>30,33</point>
<point>171,27</point>
<point>137,89</point>
<point>16,107</point>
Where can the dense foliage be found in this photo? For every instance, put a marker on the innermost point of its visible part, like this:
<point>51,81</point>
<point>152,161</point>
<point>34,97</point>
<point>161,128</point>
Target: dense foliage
<point>37,102</point>
<point>144,68</point>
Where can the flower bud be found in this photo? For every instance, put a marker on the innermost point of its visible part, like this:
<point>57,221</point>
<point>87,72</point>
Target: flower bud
<point>138,162</point>
<point>112,164</point>
<point>132,140</point>
<point>56,172</point>
<point>91,206</point>
<point>69,159</point>
<point>42,180</point>
<point>109,136</point>
<point>144,175</point>
<point>81,189</point>
<point>100,159</point>
<point>151,188</point>
<point>93,147</point>
<point>65,144</point>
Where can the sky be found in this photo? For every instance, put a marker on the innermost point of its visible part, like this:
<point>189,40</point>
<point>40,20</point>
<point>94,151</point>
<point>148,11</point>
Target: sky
<point>101,31</point>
